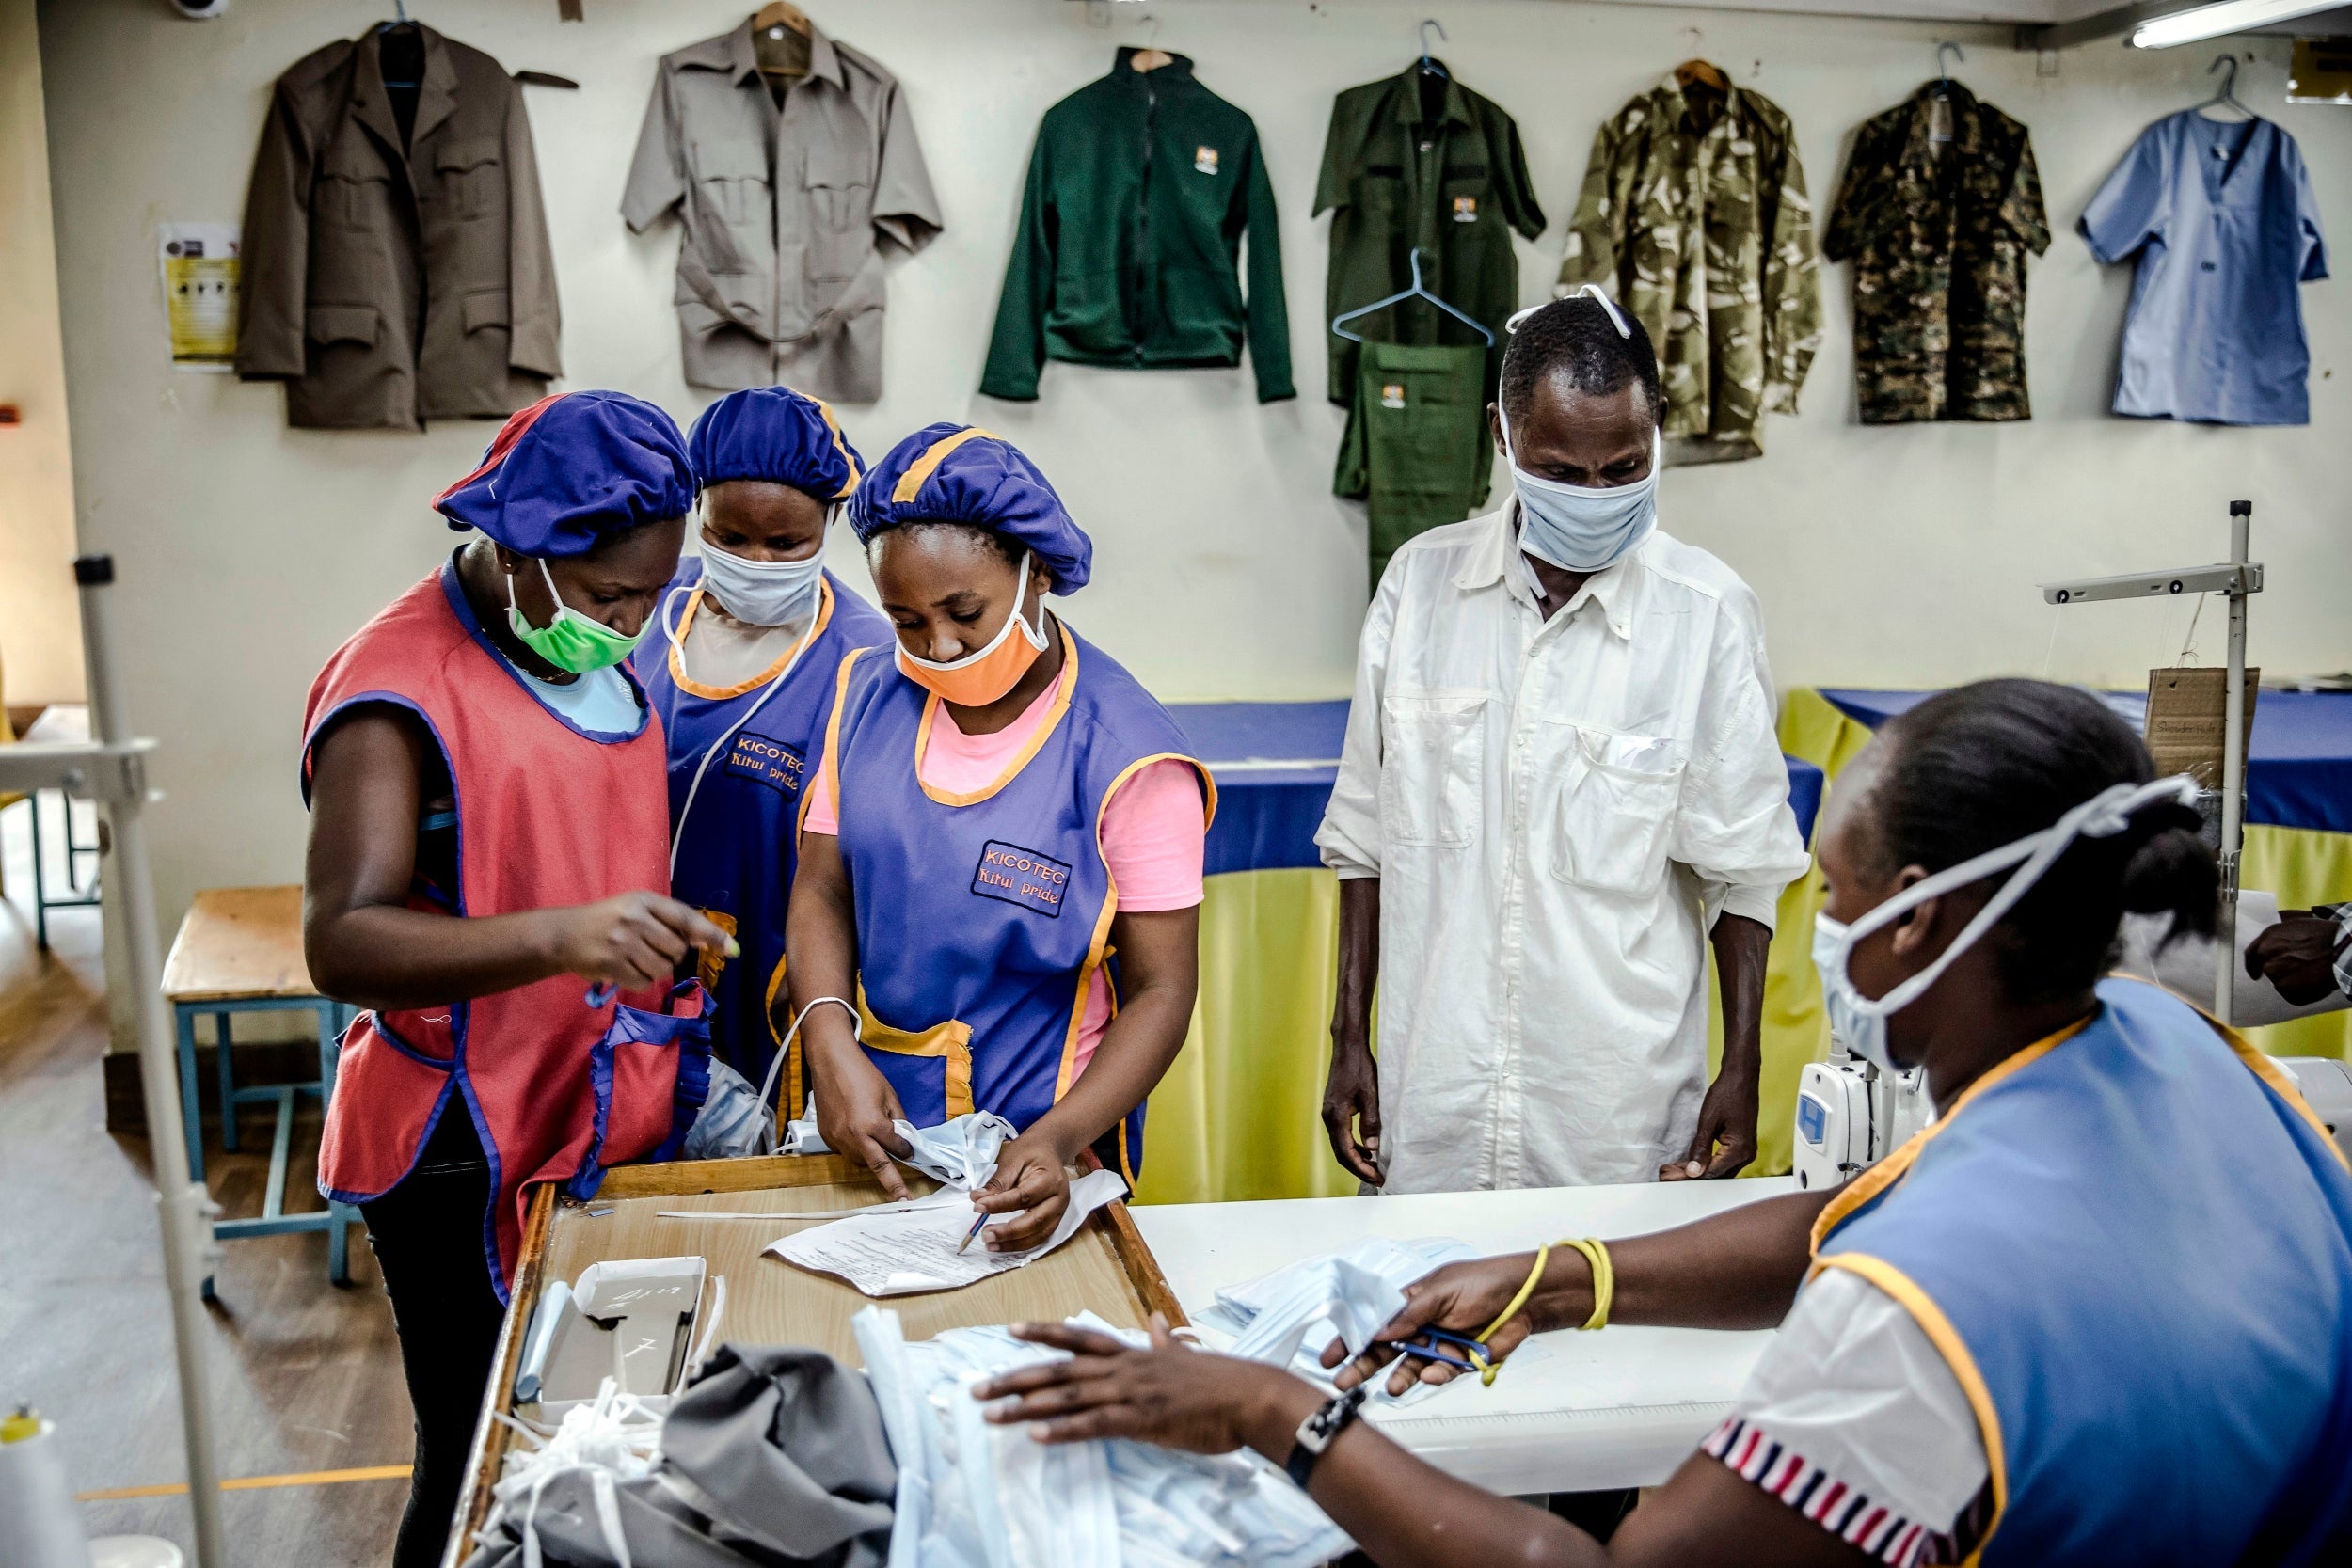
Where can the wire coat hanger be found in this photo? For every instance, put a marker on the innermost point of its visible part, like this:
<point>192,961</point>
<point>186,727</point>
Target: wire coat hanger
<point>1415,291</point>
<point>1430,66</point>
<point>1943,70</point>
<point>2227,95</point>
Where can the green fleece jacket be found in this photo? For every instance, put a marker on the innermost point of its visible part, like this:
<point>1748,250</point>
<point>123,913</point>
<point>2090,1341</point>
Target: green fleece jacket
<point>1142,188</point>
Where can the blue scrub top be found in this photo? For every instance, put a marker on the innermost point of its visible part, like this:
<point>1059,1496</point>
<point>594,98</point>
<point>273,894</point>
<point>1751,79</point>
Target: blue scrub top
<point>2225,225</point>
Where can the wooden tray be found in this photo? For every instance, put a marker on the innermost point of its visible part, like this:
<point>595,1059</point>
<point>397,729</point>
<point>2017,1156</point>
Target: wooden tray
<point>1105,1268</point>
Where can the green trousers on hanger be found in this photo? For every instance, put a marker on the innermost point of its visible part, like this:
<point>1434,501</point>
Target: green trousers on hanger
<point>1417,451</point>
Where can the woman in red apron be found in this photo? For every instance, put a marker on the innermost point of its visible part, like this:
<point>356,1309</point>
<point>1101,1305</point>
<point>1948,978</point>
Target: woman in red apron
<point>487,875</point>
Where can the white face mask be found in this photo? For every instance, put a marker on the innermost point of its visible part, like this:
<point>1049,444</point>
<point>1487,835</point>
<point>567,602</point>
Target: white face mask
<point>1578,529</point>
<point>1859,1023</point>
<point>763,592</point>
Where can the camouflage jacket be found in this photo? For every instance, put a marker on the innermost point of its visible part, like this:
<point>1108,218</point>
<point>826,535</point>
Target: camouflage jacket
<point>1695,214</point>
<point>1938,232</point>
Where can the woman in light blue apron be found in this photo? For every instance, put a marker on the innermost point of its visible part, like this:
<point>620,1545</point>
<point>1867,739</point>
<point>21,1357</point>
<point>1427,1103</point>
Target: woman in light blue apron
<point>2100,1312</point>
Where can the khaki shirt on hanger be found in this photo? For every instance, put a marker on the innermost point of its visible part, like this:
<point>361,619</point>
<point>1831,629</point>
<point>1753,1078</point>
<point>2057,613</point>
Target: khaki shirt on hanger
<point>779,274</point>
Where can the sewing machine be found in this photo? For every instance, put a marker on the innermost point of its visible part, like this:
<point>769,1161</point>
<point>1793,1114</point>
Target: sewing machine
<point>1851,1116</point>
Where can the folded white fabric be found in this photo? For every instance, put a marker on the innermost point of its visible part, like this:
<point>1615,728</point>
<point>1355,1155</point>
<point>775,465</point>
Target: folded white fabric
<point>1287,1317</point>
<point>975,1495</point>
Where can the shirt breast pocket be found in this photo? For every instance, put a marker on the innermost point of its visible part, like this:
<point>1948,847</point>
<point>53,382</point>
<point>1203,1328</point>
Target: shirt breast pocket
<point>470,175</point>
<point>1617,808</point>
<point>354,193</point>
<point>731,186</point>
<point>1433,747</point>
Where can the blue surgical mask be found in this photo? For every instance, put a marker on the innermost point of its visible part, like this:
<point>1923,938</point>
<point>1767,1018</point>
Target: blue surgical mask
<point>1582,529</point>
<point>763,592</point>
<point>1858,1023</point>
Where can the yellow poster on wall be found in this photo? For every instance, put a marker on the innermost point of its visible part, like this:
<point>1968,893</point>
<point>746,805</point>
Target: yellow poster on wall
<point>200,266</point>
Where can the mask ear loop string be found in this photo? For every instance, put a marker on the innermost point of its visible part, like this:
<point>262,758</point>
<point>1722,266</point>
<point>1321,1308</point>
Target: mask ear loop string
<point>2103,815</point>
<point>678,833</point>
<point>768,1085</point>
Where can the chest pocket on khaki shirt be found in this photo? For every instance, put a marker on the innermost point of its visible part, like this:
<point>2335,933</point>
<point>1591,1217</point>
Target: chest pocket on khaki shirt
<point>469,172</point>
<point>1617,803</point>
<point>731,185</point>
<point>1432,761</point>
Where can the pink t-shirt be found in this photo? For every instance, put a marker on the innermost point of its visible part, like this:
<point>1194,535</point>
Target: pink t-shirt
<point>1154,832</point>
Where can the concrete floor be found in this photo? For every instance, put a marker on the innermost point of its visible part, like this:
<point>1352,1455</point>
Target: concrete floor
<point>306,1375</point>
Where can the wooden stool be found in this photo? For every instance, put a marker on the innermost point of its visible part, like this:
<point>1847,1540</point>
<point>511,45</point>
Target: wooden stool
<point>240,951</point>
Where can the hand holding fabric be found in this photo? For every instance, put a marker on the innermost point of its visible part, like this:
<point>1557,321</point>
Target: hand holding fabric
<point>1031,1178</point>
<point>1460,1298</point>
<point>1170,1394</point>
<point>854,1112</point>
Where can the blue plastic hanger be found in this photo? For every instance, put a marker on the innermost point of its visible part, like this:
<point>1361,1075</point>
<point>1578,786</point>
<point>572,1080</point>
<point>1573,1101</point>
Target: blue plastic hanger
<point>1415,291</point>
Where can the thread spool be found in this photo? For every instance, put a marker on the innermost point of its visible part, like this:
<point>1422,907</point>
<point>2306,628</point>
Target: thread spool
<point>39,1525</point>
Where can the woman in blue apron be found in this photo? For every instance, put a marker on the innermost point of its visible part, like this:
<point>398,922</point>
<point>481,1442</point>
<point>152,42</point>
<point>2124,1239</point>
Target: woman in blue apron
<point>2100,1312</point>
<point>1000,870</point>
<point>754,632</point>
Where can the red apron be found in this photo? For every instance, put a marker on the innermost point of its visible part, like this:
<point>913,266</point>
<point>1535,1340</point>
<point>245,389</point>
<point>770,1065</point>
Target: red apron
<point>547,816</point>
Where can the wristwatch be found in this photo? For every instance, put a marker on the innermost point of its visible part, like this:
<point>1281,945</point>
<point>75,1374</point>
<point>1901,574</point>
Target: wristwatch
<point>1316,1431</point>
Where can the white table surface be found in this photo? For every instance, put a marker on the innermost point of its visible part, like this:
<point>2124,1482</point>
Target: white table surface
<point>1571,1412</point>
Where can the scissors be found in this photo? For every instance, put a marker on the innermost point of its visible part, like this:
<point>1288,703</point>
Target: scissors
<point>600,993</point>
<point>1430,1345</point>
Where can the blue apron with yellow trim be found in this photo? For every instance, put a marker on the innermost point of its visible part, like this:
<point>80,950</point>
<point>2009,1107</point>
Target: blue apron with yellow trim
<point>740,843</point>
<point>2137,1255</point>
<point>983,920</point>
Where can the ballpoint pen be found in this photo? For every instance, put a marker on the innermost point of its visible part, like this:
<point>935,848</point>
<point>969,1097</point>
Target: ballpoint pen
<point>972,1235</point>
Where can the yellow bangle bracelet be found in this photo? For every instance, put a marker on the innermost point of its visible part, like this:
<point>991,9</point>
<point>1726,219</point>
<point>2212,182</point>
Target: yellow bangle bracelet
<point>1604,1277</point>
<point>1485,1371</point>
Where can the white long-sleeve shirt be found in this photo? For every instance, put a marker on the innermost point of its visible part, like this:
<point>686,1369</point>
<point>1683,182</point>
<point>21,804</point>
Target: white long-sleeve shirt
<point>1557,811</point>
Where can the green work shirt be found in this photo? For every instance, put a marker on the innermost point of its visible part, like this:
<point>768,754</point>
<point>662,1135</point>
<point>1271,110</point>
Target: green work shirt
<point>1421,161</point>
<point>1142,189</point>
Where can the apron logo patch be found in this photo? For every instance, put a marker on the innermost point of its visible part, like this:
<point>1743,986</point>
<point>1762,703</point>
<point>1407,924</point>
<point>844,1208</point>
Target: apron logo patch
<point>1392,395</point>
<point>1204,160</point>
<point>1013,874</point>
<point>768,762</point>
<point>1466,209</point>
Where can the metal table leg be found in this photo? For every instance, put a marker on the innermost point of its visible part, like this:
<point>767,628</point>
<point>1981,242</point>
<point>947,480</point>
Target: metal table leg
<point>191,1120</point>
<point>225,1042</point>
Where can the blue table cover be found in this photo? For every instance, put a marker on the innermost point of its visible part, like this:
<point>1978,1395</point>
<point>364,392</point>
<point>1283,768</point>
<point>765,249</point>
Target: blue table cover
<point>1275,764</point>
<point>2298,768</point>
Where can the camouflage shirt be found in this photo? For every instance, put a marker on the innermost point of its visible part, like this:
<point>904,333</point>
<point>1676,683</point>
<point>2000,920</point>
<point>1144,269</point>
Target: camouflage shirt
<point>1938,230</point>
<point>1695,214</point>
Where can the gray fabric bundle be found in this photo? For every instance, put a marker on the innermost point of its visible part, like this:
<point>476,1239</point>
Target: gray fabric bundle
<point>776,1456</point>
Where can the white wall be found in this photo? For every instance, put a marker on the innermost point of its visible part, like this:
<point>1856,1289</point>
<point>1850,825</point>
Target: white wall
<point>41,637</point>
<point>1883,556</point>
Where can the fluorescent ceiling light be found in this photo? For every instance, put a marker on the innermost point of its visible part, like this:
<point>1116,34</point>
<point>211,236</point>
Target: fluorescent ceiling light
<point>2231,16</point>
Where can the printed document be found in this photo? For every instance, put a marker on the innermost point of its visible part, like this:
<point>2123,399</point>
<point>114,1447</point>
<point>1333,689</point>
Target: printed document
<point>914,1249</point>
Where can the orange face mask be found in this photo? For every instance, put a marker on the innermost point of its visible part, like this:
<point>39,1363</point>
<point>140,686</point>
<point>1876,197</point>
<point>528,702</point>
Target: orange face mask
<point>979,679</point>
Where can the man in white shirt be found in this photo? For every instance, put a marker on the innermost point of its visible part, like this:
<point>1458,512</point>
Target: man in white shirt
<point>1559,778</point>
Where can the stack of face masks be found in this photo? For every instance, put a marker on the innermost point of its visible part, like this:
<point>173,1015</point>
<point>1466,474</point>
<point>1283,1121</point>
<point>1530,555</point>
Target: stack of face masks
<point>1286,1318</point>
<point>976,1494</point>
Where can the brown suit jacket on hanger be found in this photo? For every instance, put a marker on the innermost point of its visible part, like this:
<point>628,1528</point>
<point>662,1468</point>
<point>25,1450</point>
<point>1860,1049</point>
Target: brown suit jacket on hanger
<point>389,286</point>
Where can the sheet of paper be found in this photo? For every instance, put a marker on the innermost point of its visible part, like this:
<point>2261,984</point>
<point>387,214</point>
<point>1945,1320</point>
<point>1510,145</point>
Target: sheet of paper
<point>914,1249</point>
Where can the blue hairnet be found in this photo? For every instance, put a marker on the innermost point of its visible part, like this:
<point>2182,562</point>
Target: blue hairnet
<point>571,469</point>
<point>953,474</point>
<point>776,433</point>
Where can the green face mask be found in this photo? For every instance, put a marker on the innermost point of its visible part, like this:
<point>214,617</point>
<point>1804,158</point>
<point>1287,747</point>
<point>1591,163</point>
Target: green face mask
<point>570,642</point>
